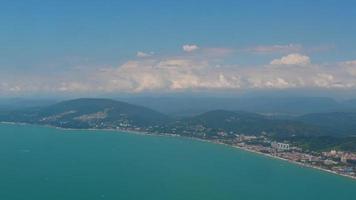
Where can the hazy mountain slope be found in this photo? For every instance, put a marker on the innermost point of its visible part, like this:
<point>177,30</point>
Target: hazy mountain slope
<point>107,113</point>
<point>341,123</point>
<point>89,113</point>
<point>246,123</point>
<point>325,143</point>
<point>189,106</point>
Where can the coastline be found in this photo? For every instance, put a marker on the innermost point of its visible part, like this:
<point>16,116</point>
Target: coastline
<point>294,162</point>
<point>145,133</point>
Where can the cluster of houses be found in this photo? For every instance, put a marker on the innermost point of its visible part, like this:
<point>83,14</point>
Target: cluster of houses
<point>344,157</point>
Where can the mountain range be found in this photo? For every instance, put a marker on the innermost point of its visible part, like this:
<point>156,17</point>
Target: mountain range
<point>272,106</point>
<point>112,114</point>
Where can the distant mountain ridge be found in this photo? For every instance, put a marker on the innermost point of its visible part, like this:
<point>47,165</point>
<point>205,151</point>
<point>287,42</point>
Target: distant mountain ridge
<point>343,123</point>
<point>284,106</point>
<point>240,122</point>
<point>112,114</point>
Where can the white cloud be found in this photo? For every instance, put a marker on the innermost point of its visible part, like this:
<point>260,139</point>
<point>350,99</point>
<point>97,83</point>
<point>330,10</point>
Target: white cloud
<point>324,80</point>
<point>185,73</point>
<point>350,63</point>
<point>292,59</point>
<point>190,47</point>
<point>168,74</point>
<point>349,66</point>
<point>141,54</point>
<point>275,48</point>
<point>72,86</point>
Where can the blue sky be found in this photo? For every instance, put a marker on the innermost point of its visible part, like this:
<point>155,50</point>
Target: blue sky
<point>62,43</point>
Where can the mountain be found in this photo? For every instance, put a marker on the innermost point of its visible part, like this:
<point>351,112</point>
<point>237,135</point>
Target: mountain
<point>112,114</point>
<point>88,113</point>
<point>342,123</point>
<point>243,123</point>
<point>284,106</point>
<point>317,131</point>
<point>325,143</point>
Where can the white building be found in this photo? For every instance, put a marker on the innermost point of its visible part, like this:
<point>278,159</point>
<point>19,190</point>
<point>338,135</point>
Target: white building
<point>329,162</point>
<point>280,146</point>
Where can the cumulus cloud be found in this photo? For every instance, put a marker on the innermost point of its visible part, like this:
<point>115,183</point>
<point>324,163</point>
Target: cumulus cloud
<point>349,66</point>
<point>190,47</point>
<point>168,74</point>
<point>186,73</point>
<point>292,59</point>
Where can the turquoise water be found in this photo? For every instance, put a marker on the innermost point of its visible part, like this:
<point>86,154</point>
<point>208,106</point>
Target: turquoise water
<point>40,163</point>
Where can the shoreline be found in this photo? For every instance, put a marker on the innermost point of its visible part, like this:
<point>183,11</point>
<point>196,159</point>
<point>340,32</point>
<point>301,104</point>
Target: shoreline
<point>144,133</point>
<point>294,162</point>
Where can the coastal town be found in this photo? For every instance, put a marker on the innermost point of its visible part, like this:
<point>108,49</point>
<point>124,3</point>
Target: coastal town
<point>337,162</point>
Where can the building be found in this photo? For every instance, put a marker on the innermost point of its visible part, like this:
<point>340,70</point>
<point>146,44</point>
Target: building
<point>280,146</point>
<point>343,159</point>
<point>329,162</point>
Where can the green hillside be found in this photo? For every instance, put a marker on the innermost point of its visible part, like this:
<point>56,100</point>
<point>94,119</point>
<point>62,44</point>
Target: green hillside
<point>243,123</point>
<point>340,123</point>
<point>88,113</point>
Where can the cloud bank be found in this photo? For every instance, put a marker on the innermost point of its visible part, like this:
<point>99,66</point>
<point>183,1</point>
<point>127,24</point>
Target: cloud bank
<point>190,73</point>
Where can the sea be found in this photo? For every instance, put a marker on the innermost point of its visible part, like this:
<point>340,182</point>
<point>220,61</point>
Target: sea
<point>44,163</point>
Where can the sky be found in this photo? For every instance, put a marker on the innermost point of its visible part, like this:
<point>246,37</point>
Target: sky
<point>103,47</point>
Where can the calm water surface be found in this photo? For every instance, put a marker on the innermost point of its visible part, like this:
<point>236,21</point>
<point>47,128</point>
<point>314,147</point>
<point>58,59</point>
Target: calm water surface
<point>39,163</point>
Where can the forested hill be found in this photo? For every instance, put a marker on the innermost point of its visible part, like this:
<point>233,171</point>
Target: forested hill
<point>112,114</point>
<point>88,113</point>
<point>245,123</point>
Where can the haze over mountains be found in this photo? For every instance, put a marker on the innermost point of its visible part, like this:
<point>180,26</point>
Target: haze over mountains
<point>86,113</point>
<point>282,106</point>
<point>248,116</point>
<point>20,103</point>
<point>189,106</point>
